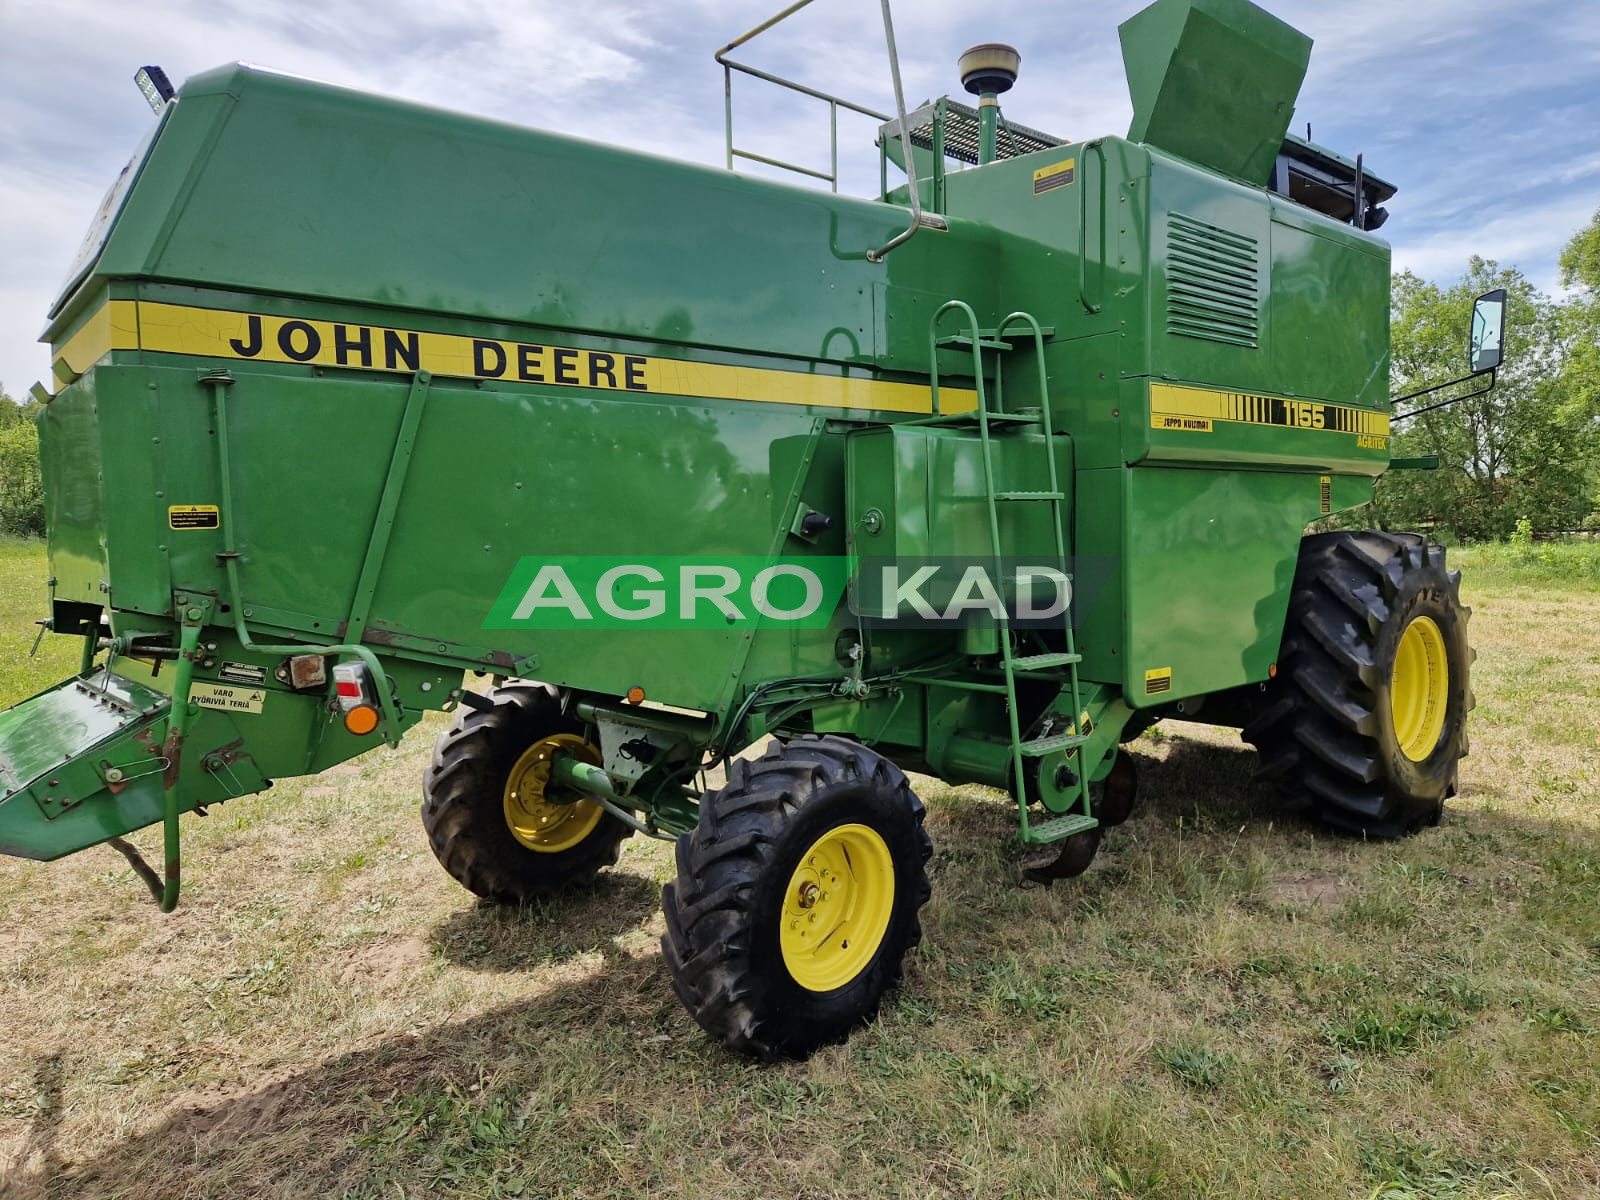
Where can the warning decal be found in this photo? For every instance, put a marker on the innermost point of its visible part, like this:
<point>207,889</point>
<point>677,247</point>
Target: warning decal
<point>1056,175</point>
<point>194,516</point>
<point>1157,680</point>
<point>228,699</point>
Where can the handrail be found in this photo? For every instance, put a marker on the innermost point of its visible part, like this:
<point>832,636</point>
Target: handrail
<point>729,66</point>
<point>1098,150</point>
<point>977,356</point>
<point>915,190</point>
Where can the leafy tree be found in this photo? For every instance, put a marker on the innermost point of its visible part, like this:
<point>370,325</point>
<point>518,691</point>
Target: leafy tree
<point>1580,271</point>
<point>1580,261</point>
<point>21,487</point>
<point>1526,450</point>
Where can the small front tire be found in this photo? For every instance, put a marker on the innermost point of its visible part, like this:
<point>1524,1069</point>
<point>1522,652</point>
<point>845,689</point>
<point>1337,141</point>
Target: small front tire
<point>485,808</point>
<point>797,897</point>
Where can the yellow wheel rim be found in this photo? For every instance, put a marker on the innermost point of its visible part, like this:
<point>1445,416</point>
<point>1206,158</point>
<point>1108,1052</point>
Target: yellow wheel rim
<point>537,821</point>
<point>836,908</point>
<point>1419,690</point>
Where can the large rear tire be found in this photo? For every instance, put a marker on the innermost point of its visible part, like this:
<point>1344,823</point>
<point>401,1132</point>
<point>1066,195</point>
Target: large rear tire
<point>1366,718</point>
<point>491,819</point>
<point>797,897</point>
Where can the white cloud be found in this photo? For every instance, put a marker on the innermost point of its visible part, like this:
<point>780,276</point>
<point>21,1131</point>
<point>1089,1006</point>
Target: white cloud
<point>1529,238</point>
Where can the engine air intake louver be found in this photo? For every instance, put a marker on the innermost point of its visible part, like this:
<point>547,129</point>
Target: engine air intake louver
<point>1213,283</point>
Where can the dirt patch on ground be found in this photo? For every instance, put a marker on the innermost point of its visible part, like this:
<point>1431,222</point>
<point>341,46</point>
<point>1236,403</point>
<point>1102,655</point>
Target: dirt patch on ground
<point>1313,890</point>
<point>386,960</point>
<point>265,1102</point>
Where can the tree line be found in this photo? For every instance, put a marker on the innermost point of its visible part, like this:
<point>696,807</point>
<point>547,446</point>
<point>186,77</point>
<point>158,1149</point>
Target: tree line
<point>21,488</point>
<point>1526,456</point>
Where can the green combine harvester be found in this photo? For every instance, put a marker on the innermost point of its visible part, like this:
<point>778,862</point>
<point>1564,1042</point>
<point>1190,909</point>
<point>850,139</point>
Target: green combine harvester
<point>356,401</point>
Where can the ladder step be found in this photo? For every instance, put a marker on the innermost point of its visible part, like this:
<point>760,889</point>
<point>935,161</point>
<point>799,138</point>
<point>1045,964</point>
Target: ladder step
<point>964,339</point>
<point>971,418</point>
<point>1030,496</point>
<point>1044,662</point>
<point>1039,747</point>
<point>1058,828</point>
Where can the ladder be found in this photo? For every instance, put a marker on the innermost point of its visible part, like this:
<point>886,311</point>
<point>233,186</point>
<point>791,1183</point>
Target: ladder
<point>1078,818</point>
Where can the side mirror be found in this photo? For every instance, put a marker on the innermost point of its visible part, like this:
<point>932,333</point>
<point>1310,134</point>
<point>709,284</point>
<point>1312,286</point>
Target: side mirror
<point>1488,328</point>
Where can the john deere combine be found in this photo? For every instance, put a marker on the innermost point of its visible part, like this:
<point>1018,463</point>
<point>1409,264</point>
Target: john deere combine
<point>980,477</point>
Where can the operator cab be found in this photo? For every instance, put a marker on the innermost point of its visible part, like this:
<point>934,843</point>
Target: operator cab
<point>1330,183</point>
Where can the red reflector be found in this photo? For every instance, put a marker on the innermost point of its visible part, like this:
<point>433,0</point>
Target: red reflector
<point>349,687</point>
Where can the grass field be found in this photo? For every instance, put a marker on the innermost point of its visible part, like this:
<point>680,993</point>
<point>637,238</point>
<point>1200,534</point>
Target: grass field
<point>1230,1004</point>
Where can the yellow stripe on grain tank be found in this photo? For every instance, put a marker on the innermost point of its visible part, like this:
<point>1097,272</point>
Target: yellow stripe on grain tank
<point>262,337</point>
<point>1197,410</point>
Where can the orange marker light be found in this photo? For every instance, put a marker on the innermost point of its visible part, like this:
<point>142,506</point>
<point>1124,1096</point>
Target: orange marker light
<point>636,695</point>
<point>1272,670</point>
<point>361,720</point>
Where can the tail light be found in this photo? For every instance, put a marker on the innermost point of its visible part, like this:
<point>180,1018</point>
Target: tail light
<point>352,687</point>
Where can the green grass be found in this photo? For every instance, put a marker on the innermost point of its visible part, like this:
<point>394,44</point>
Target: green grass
<point>1230,1004</point>
<point>24,599</point>
<point>1574,564</point>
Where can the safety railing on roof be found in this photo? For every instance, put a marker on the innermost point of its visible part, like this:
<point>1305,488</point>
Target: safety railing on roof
<point>834,103</point>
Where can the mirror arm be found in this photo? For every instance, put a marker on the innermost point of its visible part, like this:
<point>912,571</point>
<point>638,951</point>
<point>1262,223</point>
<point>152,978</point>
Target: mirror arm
<point>1483,391</point>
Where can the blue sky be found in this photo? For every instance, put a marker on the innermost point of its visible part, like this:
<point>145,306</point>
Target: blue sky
<point>1485,113</point>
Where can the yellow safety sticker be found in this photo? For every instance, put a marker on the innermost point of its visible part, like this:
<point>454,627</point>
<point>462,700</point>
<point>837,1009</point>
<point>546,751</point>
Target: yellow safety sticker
<point>265,337</point>
<point>1194,410</point>
<point>1084,723</point>
<point>228,698</point>
<point>194,516</point>
<point>1157,680</point>
<point>1325,487</point>
<point>1056,175</point>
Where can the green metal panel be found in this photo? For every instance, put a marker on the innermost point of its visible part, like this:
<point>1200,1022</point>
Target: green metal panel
<point>419,209</point>
<point>1205,558</point>
<point>1321,267</point>
<point>1210,558</point>
<point>1099,520</point>
<point>70,462</point>
<point>1214,81</point>
<point>925,486</point>
<point>480,495</point>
